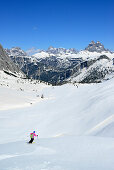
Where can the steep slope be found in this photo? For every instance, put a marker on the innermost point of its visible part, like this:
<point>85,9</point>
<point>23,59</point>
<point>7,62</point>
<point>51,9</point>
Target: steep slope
<point>7,64</point>
<point>18,56</point>
<point>100,69</point>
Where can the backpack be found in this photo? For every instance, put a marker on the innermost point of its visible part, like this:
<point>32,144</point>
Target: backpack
<point>31,135</point>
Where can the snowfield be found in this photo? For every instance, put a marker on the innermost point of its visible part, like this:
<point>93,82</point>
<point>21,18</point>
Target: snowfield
<point>75,124</point>
<point>17,92</point>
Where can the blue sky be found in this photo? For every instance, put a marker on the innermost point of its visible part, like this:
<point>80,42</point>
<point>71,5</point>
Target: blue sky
<point>60,23</point>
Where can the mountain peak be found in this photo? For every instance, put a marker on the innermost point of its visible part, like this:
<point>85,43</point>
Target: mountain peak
<point>54,51</point>
<point>50,48</point>
<point>92,42</point>
<point>96,47</point>
<point>16,51</point>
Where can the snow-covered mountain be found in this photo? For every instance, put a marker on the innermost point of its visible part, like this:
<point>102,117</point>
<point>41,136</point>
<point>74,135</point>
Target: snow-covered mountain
<point>57,65</point>
<point>16,51</point>
<point>91,51</point>
<point>100,69</point>
<point>57,52</point>
<point>96,47</point>
<point>19,56</point>
<point>75,125</point>
<point>60,51</point>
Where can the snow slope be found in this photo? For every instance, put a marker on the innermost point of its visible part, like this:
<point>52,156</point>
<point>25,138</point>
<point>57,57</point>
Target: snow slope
<point>17,92</point>
<point>75,126</point>
<point>103,65</point>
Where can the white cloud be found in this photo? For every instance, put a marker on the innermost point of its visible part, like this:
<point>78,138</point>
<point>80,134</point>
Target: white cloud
<point>32,51</point>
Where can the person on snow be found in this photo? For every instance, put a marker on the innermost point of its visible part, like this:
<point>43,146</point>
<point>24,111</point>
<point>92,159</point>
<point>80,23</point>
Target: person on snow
<point>32,135</point>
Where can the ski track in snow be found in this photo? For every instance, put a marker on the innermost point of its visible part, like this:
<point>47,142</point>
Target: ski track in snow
<point>64,153</point>
<point>75,126</point>
<point>102,125</point>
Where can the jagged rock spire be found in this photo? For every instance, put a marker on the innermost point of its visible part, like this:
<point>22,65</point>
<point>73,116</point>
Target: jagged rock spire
<point>96,47</point>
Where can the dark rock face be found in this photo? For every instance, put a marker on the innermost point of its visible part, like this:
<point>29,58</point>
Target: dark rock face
<point>95,47</point>
<point>51,70</point>
<point>95,76</point>
<point>6,63</point>
<point>103,57</point>
<point>57,70</point>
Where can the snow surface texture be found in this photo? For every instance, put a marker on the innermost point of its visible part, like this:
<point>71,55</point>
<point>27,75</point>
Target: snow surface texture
<point>75,124</point>
<point>17,92</point>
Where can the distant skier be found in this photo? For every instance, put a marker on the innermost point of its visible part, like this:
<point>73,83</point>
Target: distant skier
<point>32,135</point>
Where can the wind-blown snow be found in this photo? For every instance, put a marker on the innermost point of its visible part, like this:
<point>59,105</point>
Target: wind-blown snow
<point>75,126</point>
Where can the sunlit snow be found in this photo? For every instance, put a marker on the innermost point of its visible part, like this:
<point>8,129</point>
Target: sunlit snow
<point>75,124</point>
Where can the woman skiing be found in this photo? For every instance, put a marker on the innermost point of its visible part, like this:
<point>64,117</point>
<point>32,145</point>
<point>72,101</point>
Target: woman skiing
<point>32,135</point>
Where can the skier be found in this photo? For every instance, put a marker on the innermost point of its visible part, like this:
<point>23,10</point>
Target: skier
<point>32,135</point>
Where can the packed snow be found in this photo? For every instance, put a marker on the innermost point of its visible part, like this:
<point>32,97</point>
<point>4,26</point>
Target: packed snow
<point>75,124</point>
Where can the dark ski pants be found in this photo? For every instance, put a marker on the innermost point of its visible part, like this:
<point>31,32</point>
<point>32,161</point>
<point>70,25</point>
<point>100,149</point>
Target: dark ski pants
<point>31,140</point>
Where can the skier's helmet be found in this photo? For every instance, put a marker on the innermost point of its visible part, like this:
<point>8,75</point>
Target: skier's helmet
<point>33,131</point>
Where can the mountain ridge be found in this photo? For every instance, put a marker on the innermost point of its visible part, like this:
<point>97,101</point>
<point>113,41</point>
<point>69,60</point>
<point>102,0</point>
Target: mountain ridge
<point>57,65</point>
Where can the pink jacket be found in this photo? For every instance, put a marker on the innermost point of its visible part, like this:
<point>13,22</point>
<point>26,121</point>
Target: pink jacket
<point>32,135</point>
